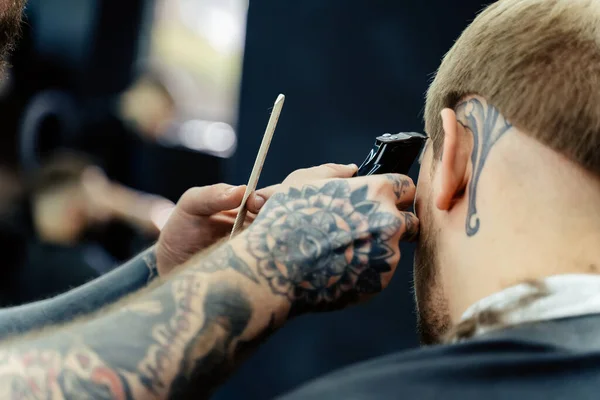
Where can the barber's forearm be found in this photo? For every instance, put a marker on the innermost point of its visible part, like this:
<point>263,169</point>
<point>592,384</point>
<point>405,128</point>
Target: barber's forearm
<point>126,279</point>
<point>178,340</point>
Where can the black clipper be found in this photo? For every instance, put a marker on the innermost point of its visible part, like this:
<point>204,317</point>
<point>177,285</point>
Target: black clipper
<point>393,154</point>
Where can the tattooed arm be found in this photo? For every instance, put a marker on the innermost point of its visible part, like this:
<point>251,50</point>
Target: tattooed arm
<point>90,297</point>
<point>316,248</point>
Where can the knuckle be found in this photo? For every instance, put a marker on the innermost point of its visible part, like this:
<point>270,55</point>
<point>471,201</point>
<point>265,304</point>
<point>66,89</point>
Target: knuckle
<point>332,166</point>
<point>383,183</point>
<point>219,188</point>
<point>411,226</point>
<point>199,192</point>
<point>296,173</point>
<point>326,171</point>
<point>192,193</point>
<point>409,190</point>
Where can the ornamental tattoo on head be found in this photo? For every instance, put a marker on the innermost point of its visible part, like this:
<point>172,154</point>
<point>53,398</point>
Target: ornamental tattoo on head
<point>487,126</point>
<point>323,244</point>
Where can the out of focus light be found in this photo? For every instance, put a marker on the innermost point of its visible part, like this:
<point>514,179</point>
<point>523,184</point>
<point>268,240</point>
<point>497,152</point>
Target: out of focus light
<point>223,31</point>
<point>220,22</point>
<point>217,138</point>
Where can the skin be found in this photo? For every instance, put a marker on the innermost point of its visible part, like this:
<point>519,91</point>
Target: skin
<point>494,188</point>
<point>314,247</point>
<point>205,215</point>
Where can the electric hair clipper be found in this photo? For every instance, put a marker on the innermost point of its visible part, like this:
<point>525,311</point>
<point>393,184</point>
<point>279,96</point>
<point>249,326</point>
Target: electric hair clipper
<point>393,154</point>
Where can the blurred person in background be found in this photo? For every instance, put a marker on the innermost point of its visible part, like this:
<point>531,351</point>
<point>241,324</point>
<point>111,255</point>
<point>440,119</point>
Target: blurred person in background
<point>148,106</point>
<point>116,134</point>
<point>61,221</point>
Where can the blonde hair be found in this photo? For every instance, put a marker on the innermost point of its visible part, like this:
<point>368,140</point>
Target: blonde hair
<point>538,63</point>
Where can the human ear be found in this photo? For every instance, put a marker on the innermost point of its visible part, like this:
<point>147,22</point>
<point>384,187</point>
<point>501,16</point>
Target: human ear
<point>454,162</point>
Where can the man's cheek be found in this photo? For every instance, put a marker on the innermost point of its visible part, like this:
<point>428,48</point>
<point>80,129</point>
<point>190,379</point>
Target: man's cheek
<point>420,200</point>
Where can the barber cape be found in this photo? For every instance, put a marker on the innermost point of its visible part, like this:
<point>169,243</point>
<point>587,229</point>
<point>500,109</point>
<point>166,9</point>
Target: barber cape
<point>531,341</point>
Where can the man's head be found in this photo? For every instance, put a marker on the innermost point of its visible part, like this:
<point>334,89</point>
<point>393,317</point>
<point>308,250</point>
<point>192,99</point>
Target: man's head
<point>11,14</point>
<point>513,111</point>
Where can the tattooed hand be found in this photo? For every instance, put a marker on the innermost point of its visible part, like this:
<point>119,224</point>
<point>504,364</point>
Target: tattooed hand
<point>202,217</point>
<point>326,245</point>
<point>205,215</point>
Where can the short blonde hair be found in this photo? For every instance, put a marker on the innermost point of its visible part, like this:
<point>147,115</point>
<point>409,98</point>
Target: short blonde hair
<point>538,63</point>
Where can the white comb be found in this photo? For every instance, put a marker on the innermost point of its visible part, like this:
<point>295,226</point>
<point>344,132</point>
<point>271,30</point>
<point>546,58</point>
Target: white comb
<point>258,163</point>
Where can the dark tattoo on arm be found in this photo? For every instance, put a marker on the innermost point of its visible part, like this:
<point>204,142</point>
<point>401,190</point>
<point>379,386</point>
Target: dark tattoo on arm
<point>225,258</point>
<point>487,126</point>
<point>227,312</point>
<point>323,246</point>
<point>245,347</point>
<point>178,342</point>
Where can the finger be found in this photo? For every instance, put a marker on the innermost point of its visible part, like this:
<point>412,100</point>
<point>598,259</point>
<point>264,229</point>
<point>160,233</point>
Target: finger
<point>209,200</point>
<point>269,191</point>
<point>325,171</point>
<point>411,227</point>
<point>403,188</point>
<point>255,202</point>
<point>302,176</point>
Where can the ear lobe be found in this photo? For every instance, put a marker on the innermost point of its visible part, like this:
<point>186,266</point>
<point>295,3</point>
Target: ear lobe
<point>453,164</point>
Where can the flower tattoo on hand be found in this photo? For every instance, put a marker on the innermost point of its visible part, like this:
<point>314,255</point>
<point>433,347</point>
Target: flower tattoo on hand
<point>320,244</point>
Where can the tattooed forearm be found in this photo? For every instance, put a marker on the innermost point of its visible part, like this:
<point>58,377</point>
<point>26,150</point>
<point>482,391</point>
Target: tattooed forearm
<point>487,126</point>
<point>178,341</point>
<point>227,312</point>
<point>225,258</point>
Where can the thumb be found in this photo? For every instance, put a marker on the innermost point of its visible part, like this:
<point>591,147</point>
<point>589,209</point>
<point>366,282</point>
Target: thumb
<point>208,200</point>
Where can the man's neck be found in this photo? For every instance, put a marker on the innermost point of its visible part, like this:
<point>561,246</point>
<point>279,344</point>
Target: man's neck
<point>534,225</point>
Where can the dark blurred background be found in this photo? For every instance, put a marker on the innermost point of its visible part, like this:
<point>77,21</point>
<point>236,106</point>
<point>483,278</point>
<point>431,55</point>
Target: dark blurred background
<point>163,95</point>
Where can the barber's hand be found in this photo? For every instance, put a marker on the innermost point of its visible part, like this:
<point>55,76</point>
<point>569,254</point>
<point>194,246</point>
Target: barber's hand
<point>205,215</point>
<point>331,243</point>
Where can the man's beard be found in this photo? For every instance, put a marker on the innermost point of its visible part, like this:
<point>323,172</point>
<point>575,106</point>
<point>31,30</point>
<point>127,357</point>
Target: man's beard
<point>11,15</point>
<point>433,318</point>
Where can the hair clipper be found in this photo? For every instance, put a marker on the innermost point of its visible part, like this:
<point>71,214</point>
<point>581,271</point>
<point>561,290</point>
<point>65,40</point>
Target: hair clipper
<point>393,154</point>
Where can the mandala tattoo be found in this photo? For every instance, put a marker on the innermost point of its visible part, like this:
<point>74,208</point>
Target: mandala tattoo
<point>487,126</point>
<point>318,245</point>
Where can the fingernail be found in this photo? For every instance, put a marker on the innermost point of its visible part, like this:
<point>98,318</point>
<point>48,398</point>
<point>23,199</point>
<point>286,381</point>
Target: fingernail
<point>259,201</point>
<point>353,166</point>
